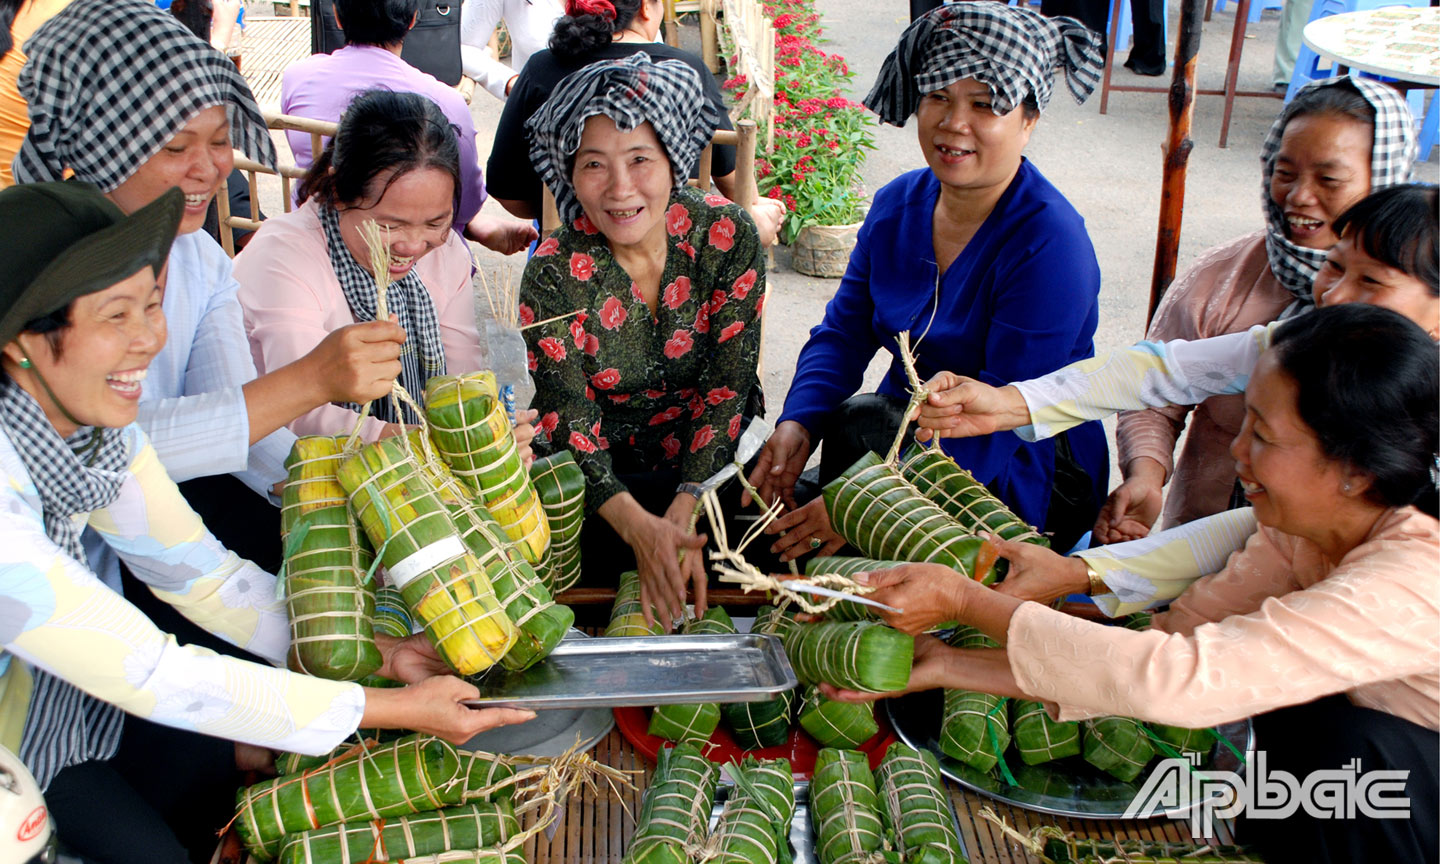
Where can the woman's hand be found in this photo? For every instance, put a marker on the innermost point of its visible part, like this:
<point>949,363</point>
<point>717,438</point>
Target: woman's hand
<point>960,407</point>
<point>1133,507</point>
<point>781,461</point>
<point>928,595</point>
<point>525,434</point>
<point>1039,574</point>
<point>657,541</point>
<point>691,560</point>
<point>356,363</point>
<point>501,235</point>
<point>800,529</point>
<point>926,673</point>
<point>769,215</point>
<point>409,660</point>
<point>433,707</point>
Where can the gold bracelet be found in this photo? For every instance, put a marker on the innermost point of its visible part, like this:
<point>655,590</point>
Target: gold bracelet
<point>1097,584</point>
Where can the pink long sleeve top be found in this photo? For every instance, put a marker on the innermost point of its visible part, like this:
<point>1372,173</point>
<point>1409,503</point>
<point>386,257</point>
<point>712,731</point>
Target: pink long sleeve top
<point>1229,289</point>
<point>1278,626</point>
<point>292,300</point>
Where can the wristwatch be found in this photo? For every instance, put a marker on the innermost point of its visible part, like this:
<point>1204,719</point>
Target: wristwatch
<point>693,489</point>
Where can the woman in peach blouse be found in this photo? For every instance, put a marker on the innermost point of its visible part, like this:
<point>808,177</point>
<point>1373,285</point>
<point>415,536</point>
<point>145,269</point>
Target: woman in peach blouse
<point>1326,624</point>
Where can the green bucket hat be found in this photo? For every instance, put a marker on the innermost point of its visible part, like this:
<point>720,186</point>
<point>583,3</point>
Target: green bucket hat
<point>60,241</point>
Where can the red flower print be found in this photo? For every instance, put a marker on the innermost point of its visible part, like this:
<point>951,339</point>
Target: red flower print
<point>734,429</point>
<point>697,407</point>
<point>527,315</point>
<point>582,266</point>
<point>592,345</point>
<point>743,285</point>
<point>686,392</point>
<point>606,379</point>
<point>549,422</point>
<point>530,362</point>
<point>716,200</point>
<point>677,220</point>
<point>679,345</point>
<point>549,247</point>
<point>718,395</point>
<point>635,292</point>
<point>613,314</point>
<point>704,435</point>
<point>730,331</point>
<point>702,319</point>
<point>584,224</point>
<point>620,398</point>
<point>717,300</point>
<point>671,445</point>
<point>722,234</point>
<point>581,443</point>
<point>685,247</point>
<point>677,292</point>
<point>553,348</point>
<point>671,413</point>
<point>760,305</point>
<point>589,392</point>
<point>577,332</point>
<point>603,442</point>
<point>654,394</point>
<point>595,429</point>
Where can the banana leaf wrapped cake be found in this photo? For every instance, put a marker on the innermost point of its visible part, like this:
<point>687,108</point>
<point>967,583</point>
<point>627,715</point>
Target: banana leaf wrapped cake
<point>763,724</point>
<point>445,587</point>
<point>412,775</point>
<point>626,616</point>
<point>843,725</point>
<point>754,826</point>
<point>1117,746</point>
<point>852,655</point>
<point>848,567</point>
<point>966,499</point>
<point>845,810</point>
<point>468,827</point>
<point>914,807</point>
<point>329,592</point>
<point>675,811</point>
<point>561,486</point>
<point>473,435</point>
<point>974,728</point>
<point>883,515</point>
<point>692,722</point>
<point>1183,739</point>
<point>1038,739</point>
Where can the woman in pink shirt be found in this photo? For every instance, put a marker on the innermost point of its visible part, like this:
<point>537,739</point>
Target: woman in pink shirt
<point>394,160</point>
<point>1332,606</point>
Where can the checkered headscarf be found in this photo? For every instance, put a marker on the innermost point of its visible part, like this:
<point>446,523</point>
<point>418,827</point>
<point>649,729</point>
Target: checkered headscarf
<point>667,95</point>
<point>79,474</point>
<point>1392,159</point>
<point>1013,50</point>
<point>109,82</point>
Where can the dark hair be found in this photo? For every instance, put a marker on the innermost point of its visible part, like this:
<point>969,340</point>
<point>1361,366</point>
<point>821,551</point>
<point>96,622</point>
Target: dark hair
<point>195,15</point>
<point>1397,226</point>
<point>1367,380</point>
<point>8,8</point>
<point>52,326</point>
<point>1031,107</point>
<point>376,22</point>
<point>1341,100</point>
<point>587,27</point>
<point>382,131</point>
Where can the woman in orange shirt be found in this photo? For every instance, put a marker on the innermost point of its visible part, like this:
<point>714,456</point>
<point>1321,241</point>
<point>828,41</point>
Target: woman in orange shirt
<point>18,19</point>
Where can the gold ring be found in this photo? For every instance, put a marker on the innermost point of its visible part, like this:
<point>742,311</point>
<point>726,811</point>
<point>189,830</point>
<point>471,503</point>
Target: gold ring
<point>816,543</point>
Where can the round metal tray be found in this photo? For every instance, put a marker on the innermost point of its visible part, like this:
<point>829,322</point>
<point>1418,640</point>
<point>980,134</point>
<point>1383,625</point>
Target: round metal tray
<point>1067,787</point>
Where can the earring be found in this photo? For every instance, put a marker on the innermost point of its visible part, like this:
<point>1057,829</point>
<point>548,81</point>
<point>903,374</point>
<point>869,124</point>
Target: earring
<point>25,363</point>
<point>1347,485</point>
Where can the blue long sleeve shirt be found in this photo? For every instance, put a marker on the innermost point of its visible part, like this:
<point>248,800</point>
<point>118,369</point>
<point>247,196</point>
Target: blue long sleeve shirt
<point>1020,301</point>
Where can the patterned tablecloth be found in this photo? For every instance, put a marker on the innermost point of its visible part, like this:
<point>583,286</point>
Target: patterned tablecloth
<point>1396,42</point>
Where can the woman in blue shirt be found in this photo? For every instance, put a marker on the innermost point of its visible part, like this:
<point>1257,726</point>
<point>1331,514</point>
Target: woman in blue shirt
<point>978,256</point>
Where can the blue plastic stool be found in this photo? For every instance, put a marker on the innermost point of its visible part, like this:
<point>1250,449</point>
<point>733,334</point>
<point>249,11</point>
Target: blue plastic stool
<point>1307,62</point>
<point>1125,34</point>
<point>1429,128</point>
<point>1256,7</point>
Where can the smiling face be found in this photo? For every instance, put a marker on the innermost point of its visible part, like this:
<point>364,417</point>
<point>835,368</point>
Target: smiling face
<point>1285,474</point>
<point>198,160</point>
<point>964,143</point>
<point>1350,275</point>
<point>416,211</point>
<point>98,372</point>
<point>1322,167</point>
<point>623,182</point>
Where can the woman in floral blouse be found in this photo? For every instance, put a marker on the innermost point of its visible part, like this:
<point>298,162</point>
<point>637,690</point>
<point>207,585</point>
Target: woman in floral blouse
<point>656,289</point>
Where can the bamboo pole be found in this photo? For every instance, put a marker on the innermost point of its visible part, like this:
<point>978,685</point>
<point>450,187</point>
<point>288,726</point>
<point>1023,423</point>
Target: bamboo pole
<point>1177,150</point>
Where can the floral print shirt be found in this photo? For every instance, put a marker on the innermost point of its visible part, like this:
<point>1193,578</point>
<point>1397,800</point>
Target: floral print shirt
<point>628,391</point>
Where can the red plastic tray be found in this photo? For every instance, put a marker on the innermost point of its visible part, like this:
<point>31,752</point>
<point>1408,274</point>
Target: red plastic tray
<point>801,749</point>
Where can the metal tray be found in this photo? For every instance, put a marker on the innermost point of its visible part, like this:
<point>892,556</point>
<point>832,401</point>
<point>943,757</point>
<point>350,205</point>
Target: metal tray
<point>1068,787</point>
<point>644,670</point>
<point>802,828</point>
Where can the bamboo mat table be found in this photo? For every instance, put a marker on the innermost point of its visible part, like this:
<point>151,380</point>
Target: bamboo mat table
<point>270,45</point>
<point>597,829</point>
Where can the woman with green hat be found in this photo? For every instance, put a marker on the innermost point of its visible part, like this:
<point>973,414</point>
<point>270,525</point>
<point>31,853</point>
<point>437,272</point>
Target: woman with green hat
<point>80,321</point>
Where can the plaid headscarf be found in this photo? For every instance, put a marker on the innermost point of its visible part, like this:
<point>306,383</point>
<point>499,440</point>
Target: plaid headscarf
<point>64,726</point>
<point>1012,50</point>
<point>109,82</point>
<point>423,354</point>
<point>668,95</point>
<point>1392,159</point>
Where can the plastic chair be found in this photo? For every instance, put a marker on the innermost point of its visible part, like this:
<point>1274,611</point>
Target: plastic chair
<point>1307,62</point>
<point>1429,128</point>
<point>1256,7</point>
